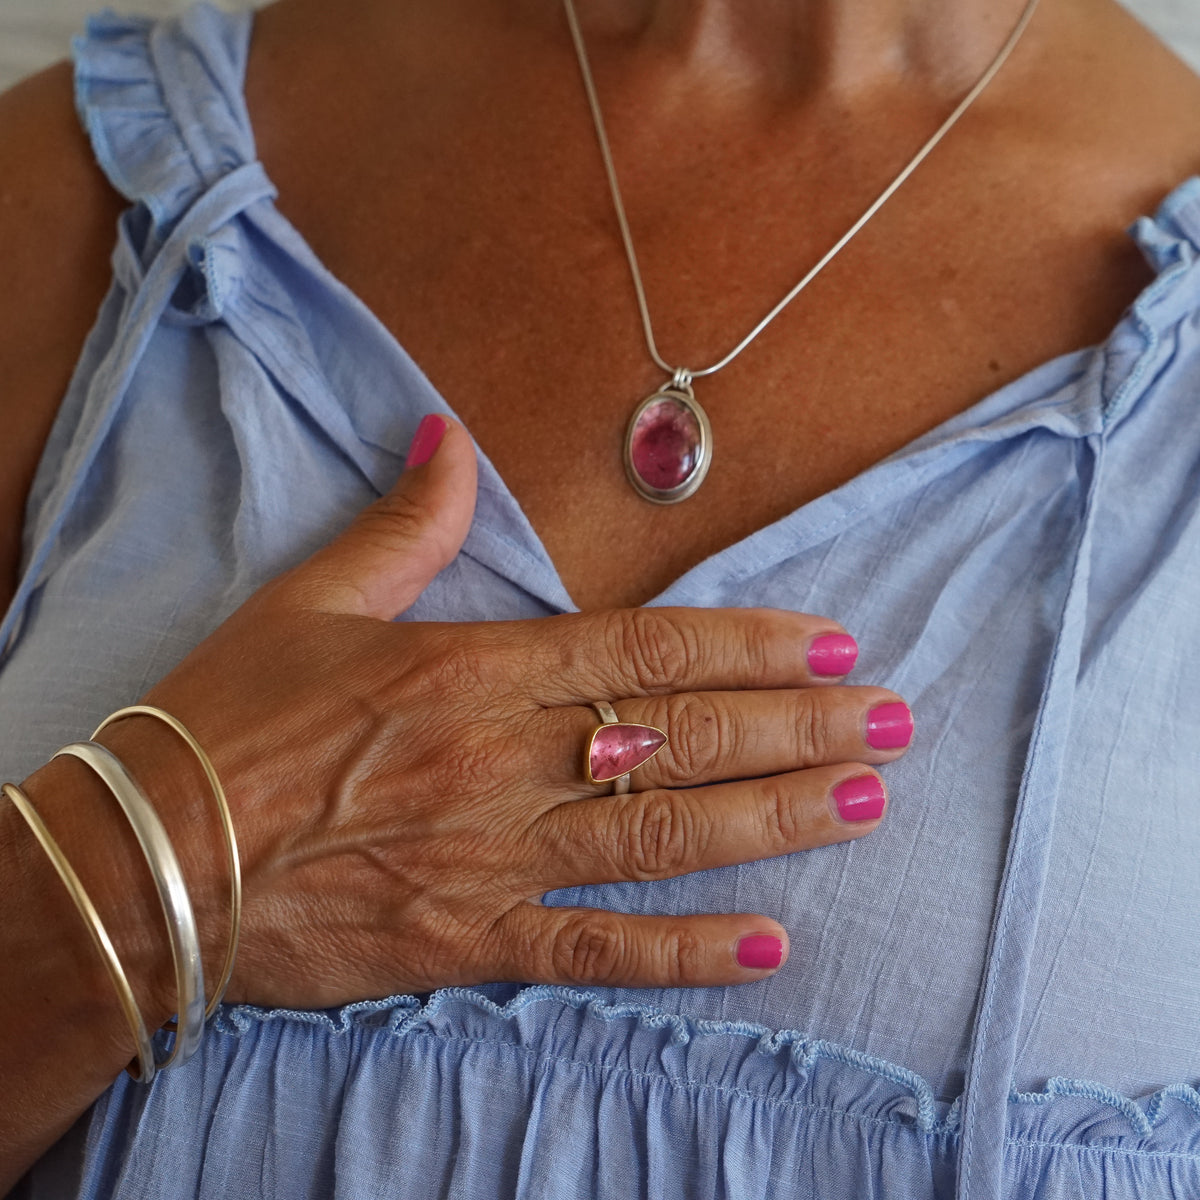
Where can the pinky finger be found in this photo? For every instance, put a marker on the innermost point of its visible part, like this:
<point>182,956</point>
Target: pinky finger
<point>608,949</point>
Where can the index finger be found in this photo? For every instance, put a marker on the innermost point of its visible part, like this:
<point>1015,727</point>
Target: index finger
<point>581,657</point>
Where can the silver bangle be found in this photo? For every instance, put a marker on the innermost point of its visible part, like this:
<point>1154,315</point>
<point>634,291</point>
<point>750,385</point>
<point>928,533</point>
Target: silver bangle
<point>235,865</point>
<point>172,893</point>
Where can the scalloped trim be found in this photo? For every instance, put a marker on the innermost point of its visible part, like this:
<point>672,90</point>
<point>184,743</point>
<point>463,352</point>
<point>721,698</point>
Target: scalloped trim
<point>1143,1120</point>
<point>408,1013</point>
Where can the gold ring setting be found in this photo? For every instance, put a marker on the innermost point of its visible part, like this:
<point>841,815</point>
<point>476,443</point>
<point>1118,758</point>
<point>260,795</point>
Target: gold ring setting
<point>616,748</point>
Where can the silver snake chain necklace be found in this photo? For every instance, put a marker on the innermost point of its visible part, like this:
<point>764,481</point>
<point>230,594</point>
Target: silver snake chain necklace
<point>668,442</point>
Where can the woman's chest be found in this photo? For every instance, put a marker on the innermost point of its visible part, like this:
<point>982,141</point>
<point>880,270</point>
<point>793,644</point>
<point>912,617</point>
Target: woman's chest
<point>546,364</point>
<point>490,251</point>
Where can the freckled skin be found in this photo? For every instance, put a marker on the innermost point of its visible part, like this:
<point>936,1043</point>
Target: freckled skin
<point>469,212</point>
<point>1003,248</point>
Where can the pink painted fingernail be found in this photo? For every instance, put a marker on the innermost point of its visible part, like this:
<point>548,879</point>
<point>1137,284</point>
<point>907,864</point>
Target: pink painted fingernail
<point>832,654</point>
<point>889,726</point>
<point>860,799</point>
<point>759,952</point>
<point>426,440</point>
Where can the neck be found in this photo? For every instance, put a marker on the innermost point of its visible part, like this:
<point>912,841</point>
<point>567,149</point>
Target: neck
<point>802,46</point>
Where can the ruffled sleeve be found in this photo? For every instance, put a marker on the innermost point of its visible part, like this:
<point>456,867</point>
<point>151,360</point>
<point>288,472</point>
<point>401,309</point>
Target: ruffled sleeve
<point>162,103</point>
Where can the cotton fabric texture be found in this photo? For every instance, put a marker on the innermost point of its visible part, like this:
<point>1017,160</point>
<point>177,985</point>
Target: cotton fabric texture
<point>995,995</point>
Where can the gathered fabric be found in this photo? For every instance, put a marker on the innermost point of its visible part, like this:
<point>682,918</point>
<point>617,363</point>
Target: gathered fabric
<point>996,994</point>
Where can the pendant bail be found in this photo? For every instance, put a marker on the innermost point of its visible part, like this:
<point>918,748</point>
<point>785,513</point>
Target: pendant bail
<point>682,379</point>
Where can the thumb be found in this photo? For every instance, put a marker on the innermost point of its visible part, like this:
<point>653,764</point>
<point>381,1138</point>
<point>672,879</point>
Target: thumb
<point>393,549</point>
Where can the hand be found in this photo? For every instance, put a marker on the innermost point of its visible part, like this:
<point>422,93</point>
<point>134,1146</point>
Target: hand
<point>403,792</point>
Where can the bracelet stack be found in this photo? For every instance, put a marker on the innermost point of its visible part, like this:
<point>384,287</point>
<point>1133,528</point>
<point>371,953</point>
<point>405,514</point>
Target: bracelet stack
<point>191,1010</point>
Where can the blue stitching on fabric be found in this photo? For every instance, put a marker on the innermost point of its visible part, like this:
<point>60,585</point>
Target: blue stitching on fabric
<point>205,247</point>
<point>1142,1120</point>
<point>1151,338</point>
<point>1019,846</point>
<point>1110,412</point>
<point>1123,1151</point>
<point>407,1014</point>
<point>1091,1091</point>
<point>687,1085</point>
<point>948,1127</point>
<point>410,1016</point>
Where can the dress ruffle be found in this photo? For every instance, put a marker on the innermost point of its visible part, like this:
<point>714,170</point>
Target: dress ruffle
<point>775,1066</point>
<point>526,1097</point>
<point>154,151</point>
<point>542,1091</point>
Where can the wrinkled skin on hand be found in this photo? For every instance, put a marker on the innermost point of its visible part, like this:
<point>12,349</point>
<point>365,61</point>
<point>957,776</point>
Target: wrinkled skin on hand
<point>403,792</point>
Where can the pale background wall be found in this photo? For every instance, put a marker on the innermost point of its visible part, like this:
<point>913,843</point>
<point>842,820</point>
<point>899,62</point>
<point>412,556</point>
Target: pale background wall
<point>36,32</point>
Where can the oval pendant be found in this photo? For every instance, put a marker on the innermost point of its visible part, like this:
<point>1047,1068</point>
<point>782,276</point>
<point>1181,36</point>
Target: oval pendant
<point>668,445</point>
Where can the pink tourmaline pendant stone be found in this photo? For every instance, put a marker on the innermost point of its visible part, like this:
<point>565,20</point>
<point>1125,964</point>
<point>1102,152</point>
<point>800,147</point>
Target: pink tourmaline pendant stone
<point>665,444</point>
<point>616,749</point>
<point>668,446</point>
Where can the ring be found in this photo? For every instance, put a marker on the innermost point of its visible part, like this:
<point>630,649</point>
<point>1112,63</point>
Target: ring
<point>617,747</point>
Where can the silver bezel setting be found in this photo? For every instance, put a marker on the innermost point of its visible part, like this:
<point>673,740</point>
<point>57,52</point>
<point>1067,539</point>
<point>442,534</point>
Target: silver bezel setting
<point>688,487</point>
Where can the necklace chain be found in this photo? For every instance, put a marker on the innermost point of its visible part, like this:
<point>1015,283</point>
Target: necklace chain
<point>681,375</point>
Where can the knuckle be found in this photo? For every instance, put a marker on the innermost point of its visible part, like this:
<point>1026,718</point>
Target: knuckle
<point>388,525</point>
<point>659,837</point>
<point>814,727</point>
<point>781,818</point>
<point>699,739</point>
<point>683,958</point>
<point>758,645</point>
<point>656,649</point>
<point>589,949</point>
<point>394,514</point>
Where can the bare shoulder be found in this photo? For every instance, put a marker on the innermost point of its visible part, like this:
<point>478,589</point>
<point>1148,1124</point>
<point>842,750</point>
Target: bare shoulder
<point>57,222</point>
<point>1149,98</point>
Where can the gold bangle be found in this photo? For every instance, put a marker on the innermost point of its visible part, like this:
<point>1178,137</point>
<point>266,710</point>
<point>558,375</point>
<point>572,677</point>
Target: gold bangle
<point>95,927</point>
<point>235,866</point>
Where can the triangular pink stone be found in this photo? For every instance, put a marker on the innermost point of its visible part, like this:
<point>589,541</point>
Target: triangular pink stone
<point>617,749</point>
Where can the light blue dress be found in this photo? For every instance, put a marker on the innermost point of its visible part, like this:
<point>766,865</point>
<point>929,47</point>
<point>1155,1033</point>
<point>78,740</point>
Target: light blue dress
<point>995,995</point>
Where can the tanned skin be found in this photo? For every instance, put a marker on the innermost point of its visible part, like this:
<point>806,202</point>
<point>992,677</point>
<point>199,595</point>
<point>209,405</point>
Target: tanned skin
<point>440,160</point>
